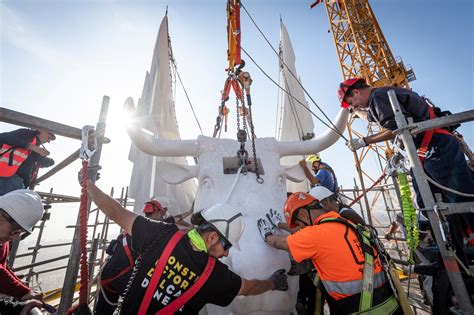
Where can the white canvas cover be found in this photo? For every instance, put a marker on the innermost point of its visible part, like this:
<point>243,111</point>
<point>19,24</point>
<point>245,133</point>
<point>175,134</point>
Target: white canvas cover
<point>295,121</point>
<point>157,104</point>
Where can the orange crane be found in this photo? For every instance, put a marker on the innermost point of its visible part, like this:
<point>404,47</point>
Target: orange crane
<point>363,51</point>
<point>361,46</point>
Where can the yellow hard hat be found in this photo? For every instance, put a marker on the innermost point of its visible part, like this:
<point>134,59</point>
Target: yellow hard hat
<point>313,158</point>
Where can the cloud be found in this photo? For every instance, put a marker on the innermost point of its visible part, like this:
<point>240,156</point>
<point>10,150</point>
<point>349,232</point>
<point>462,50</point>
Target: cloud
<point>18,32</point>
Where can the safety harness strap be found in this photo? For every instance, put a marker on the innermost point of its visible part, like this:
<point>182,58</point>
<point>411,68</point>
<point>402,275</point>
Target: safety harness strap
<point>127,250</point>
<point>425,142</point>
<point>158,272</point>
<point>386,307</point>
<point>364,237</point>
<point>106,283</point>
<point>174,306</point>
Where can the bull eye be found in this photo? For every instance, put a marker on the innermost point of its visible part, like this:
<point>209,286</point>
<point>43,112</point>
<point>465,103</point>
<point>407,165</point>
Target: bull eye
<point>280,180</point>
<point>207,183</point>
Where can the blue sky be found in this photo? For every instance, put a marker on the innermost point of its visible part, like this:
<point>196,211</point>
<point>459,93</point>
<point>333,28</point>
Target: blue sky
<point>59,58</point>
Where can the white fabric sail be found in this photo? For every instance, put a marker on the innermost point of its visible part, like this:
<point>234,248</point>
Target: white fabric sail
<point>295,122</point>
<point>157,105</point>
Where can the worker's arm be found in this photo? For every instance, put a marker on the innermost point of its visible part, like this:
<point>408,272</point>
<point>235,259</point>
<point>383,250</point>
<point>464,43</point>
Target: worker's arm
<point>277,281</point>
<point>179,219</point>
<point>275,241</point>
<point>255,287</point>
<point>384,135</point>
<point>309,175</point>
<point>278,241</point>
<point>111,208</point>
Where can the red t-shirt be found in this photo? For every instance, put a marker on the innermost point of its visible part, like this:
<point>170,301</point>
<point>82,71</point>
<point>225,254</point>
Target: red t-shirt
<point>10,284</point>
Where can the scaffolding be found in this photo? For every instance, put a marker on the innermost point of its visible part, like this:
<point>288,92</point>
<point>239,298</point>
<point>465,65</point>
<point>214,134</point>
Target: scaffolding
<point>384,195</point>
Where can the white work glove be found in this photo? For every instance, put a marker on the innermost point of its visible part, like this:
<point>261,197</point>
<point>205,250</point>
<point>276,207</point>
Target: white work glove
<point>265,228</point>
<point>356,143</point>
<point>274,217</point>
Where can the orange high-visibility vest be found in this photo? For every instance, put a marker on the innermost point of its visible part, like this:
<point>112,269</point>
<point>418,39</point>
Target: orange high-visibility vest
<point>11,158</point>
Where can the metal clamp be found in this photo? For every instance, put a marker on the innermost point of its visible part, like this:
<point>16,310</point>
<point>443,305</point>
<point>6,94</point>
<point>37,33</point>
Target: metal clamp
<point>87,151</point>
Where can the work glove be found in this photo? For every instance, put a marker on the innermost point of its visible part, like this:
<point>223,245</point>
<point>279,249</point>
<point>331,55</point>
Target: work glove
<point>265,228</point>
<point>356,143</point>
<point>92,173</point>
<point>301,268</point>
<point>280,280</point>
<point>46,162</point>
<point>274,217</point>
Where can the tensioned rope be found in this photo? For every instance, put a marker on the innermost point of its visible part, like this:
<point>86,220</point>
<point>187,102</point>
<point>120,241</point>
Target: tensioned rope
<point>335,129</point>
<point>294,112</point>
<point>305,91</point>
<point>173,62</point>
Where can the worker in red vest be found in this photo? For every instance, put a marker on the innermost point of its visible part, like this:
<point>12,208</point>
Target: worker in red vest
<point>179,273</point>
<point>439,151</point>
<point>21,154</point>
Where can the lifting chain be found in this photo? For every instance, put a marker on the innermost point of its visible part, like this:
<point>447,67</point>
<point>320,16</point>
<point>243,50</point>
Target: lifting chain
<point>252,134</point>
<point>242,154</point>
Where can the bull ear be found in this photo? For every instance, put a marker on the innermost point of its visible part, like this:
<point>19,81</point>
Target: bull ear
<point>294,173</point>
<point>173,173</point>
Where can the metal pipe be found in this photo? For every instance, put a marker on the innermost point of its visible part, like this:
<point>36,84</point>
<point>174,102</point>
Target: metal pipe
<point>73,263</point>
<point>444,121</point>
<point>67,161</point>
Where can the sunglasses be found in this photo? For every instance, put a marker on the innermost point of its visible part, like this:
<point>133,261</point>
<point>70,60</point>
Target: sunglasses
<point>225,244</point>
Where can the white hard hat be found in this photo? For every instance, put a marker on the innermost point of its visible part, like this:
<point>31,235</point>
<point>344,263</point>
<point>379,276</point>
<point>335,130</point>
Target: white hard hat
<point>24,206</point>
<point>227,221</point>
<point>320,192</point>
<point>165,202</point>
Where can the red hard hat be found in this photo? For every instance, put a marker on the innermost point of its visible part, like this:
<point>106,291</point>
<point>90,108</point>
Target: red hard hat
<point>344,87</point>
<point>152,206</point>
<point>294,202</point>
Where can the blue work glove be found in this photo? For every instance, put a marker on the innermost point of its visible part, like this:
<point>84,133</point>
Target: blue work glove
<point>265,228</point>
<point>280,280</point>
<point>274,217</point>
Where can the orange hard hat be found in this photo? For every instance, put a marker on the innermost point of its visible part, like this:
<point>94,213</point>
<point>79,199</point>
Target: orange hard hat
<point>344,87</point>
<point>294,202</point>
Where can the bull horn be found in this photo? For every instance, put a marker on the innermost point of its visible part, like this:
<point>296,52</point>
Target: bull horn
<point>146,142</point>
<point>320,143</point>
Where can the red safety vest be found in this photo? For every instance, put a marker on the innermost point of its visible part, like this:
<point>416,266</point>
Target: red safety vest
<point>106,283</point>
<point>180,301</point>
<point>425,142</point>
<point>11,158</point>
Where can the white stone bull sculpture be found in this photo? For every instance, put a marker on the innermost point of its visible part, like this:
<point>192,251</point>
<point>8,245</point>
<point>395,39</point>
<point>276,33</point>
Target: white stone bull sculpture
<point>255,260</point>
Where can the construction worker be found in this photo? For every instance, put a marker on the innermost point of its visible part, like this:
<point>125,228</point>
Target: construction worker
<point>440,152</point>
<point>347,264</point>
<point>179,273</point>
<point>329,201</point>
<point>21,154</point>
<point>116,272</point>
<point>157,209</point>
<point>323,174</point>
<point>20,210</point>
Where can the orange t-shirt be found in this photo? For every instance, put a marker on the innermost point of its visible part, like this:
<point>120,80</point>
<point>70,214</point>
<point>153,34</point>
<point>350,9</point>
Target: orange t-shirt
<point>334,249</point>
